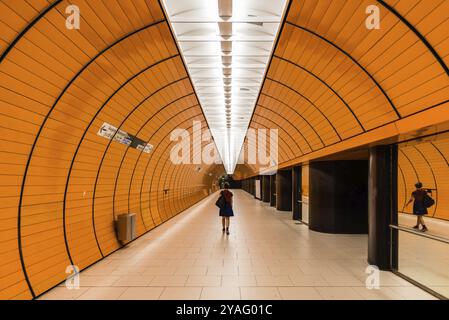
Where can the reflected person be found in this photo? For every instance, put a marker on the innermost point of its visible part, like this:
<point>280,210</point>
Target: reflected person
<point>419,207</point>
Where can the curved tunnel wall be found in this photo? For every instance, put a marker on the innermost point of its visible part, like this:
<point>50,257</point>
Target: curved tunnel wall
<point>61,183</point>
<point>332,84</point>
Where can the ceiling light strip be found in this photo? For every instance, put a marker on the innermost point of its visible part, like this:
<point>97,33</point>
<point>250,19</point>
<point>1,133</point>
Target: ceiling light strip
<point>226,45</point>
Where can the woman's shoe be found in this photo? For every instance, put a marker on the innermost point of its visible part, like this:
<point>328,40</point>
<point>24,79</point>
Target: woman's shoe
<point>424,229</point>
<point>223,230</point>
<point>227,231</point>
<point>415,227</point>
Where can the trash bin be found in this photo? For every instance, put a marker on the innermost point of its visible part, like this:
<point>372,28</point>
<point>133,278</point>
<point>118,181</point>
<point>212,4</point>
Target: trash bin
<point>126,227</point>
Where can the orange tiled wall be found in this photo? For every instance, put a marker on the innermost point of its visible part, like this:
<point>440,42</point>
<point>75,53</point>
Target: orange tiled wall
<point>61,184</point>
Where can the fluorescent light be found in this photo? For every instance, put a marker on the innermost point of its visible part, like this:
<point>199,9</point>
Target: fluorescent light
<point>225,54</point>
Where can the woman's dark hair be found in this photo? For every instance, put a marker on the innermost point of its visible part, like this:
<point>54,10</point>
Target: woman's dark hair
<point>226,185</point>
<point>418,185</point>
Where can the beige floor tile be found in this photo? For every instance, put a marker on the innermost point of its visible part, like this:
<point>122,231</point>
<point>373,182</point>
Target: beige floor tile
<point>222,270</point>
<point>192,270</point>
<point>133,281</point>
<point>288,263</point>
<point>156,263</point>
<point>299,293</point>
<point>317,270</point>
<point>203,281</point>
<point>412,293</point>
<point>97,281</point>
<point>168,281</point>
<point>302,280</point>
<point>383,293</point>
<point>129,270</point>
<point>266,262</point>
<point>273,281</point>
<point>343,281</point>
<point>102,293</point>
<point>184,263</point>
<point>142,293</point>
<point>181,293</point>
<point>209,262</point>
<point>236,262</point>
<point>260,293</point>
<point>389,279</point>
<point>339,293</point>
<point>238,281</point>
<point>284,270</point>
<point>220,293</point>
<point>100,270</point>
<point>62,293</point>
<point>254,270</point>
<point>160,271</point>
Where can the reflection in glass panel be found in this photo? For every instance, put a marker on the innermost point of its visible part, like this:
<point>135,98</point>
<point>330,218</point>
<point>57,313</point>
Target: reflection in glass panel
<point>425,261</point>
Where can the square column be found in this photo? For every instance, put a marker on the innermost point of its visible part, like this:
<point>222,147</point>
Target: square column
<point>265,188</point>
<point>338,199</point>
<point>382,209</point>
<point>284,190</point>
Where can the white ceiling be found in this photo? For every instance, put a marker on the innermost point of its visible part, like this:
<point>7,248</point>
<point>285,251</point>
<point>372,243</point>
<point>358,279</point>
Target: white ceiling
<point>226,45</point>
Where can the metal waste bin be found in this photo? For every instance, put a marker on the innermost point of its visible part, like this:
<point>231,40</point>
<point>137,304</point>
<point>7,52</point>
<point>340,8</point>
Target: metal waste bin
<point>126,227</point>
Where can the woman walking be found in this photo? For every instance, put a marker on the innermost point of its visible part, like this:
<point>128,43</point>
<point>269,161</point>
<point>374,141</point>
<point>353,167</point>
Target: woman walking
<point>419,207</point>
<point>226,210</point>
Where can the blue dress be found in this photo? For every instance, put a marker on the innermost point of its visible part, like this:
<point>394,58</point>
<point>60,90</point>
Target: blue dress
<point>419,209</point>
<point>227,210</point>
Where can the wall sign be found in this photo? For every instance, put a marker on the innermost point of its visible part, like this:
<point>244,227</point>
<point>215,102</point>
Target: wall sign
<point>109,132</point>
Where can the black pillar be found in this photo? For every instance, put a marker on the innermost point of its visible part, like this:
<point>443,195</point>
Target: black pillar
<point>265,188</point>
<point>245,185</point>
<point>338,199</point>
<point>382,206</point>
<point>273,190</point>
<point>284,190</point>
<point>251,187</point>
<point>235,184</point>
<point>297,193</point>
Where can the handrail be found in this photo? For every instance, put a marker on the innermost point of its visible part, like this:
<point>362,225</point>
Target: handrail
<point>425,235</point>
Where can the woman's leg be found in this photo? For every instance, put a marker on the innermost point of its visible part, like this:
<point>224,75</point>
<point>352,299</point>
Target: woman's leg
<point>417,223</point>
<point>223,222</point>
<point>227,225</point>
<point>424,228</point>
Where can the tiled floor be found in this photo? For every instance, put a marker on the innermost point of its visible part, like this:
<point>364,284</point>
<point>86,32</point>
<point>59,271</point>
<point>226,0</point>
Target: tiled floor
<point>266,256</point>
